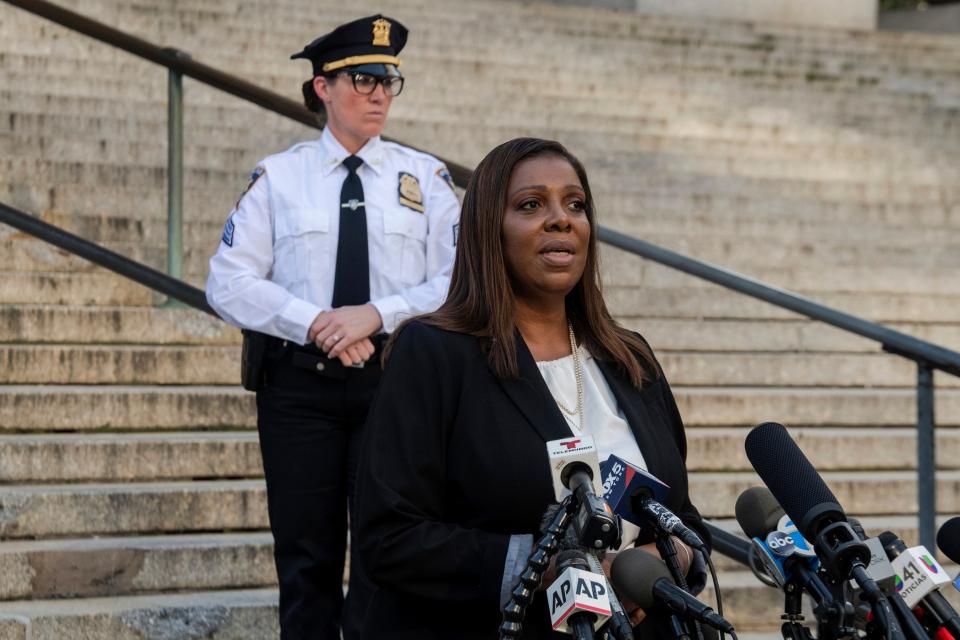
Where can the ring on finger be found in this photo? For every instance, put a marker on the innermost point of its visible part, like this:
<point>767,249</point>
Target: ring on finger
<point>335,339</point>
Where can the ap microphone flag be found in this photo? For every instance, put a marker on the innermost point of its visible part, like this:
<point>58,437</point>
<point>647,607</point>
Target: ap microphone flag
<point>577,591</point>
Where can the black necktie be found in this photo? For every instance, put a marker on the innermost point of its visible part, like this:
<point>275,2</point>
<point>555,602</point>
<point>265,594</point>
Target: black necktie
<point>351,282</point>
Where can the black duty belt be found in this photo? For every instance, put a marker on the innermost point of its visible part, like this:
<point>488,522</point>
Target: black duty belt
<point>311,358</point>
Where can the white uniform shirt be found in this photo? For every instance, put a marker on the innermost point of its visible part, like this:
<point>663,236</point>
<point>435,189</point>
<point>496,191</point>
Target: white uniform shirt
<point>602,418</point>
<point>274,269</point>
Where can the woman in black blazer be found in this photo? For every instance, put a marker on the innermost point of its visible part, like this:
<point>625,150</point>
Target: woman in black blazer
<point>455,477</point>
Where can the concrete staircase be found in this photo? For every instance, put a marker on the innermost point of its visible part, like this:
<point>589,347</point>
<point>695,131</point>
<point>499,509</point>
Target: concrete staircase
<point>823,161</point>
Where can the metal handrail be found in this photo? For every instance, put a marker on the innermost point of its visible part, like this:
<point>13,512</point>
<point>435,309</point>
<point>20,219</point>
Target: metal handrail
<point>928,356</point>
<point>147,276</point>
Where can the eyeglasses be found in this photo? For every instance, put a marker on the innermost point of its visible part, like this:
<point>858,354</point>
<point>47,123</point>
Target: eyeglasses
<point>365,83</point>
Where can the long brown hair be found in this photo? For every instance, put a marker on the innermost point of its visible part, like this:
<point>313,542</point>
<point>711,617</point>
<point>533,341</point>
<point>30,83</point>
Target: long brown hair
<point>480,301</point>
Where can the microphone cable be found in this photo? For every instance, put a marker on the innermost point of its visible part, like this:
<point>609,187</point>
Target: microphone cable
<point>716,591</point>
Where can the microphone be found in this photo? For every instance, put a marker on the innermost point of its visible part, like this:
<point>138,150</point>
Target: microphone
<point>785,554</point>
<point>818,515</point>
<point>619,626</point>
<point>919,577</point>
<point>576,469</point>
<point>636,496</point>
<point>646,581</point>
<point>881,570</point>
<point>578,599</point>
<point>948,539</point>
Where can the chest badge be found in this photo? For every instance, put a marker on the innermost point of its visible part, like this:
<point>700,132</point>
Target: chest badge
<point>409,190</point>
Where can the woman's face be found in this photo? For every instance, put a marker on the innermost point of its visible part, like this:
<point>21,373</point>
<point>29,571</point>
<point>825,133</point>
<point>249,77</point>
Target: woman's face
<point>546,233</point>
<point>354,117</point>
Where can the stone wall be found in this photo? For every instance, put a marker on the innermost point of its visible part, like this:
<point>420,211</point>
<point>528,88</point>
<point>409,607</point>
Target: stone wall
<point>845,14</point>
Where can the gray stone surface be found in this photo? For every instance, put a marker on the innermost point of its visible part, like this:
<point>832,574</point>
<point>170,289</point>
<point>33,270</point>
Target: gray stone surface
<point>90,509</point>
<point>129,457</point>
<point>76,568</point>
<point>240,615</point>
<point>816,159</point>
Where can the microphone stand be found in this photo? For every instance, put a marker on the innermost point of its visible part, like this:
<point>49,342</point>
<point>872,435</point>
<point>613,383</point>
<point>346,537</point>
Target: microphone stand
<point>668,552</point>
<point>792,628</point>
<point>532,576</point>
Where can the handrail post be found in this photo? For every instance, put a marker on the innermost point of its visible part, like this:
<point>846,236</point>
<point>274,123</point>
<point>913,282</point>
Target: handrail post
<point>175,173</point>
<point>926,457</point>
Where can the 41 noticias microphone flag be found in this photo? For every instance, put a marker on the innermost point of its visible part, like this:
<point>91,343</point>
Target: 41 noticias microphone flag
<point>917,574</point>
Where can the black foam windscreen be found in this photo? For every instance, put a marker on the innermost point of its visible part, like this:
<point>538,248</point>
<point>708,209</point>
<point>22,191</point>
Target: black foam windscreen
<point>758,512</point>
<point>892,544</point>
<point>633,574</point>
<point>572,558</point>
<point>791,478</point>
<point>948,539</point>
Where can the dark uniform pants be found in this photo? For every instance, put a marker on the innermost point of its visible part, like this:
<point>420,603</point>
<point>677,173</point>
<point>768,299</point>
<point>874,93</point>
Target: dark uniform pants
<point>310,423</point>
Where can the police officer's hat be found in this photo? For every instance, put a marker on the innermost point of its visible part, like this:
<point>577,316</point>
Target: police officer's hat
<point>374,40</point>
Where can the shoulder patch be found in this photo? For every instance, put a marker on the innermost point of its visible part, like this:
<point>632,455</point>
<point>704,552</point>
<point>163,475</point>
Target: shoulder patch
<point>259,171</point>
<point>228,232</point>
<point>444,174</point>
<point>408,188</point>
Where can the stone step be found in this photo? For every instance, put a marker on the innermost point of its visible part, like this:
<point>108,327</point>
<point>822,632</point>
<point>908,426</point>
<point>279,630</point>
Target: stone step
<point>42,136</point>
<point>813,369</point>
<point>101,567</point>
<point>679,334</point>
<point>74,364</point>
<point>719,303</point>
<point>118,457</point>
<point>41,458</point>
<point>118,364</point>
<point>119,408</point>
<point>113,325</point>
<point>693,124</point>
<point>623,269</point>
<point>829,449</point>
<point>105,100</point>
<point>859,492</point>
<point>44,511</point>
<point>96,287</point>
<point>662,216</point>
<point>238,615</point>
<point>720,239</point>
<point>798,406</point>
<point>33,254</point>
<point>797,70</point>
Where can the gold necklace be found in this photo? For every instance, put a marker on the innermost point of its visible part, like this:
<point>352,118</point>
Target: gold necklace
<point>576,368</point>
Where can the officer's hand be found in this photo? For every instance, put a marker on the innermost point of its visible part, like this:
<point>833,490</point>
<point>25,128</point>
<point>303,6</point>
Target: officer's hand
<point>357,353</point>
<point>334,331</point>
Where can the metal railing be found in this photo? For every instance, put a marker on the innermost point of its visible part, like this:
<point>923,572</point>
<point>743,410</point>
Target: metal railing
<point>929,357</point>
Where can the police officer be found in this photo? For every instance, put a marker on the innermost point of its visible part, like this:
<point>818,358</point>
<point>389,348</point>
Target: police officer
<point>333,243</point>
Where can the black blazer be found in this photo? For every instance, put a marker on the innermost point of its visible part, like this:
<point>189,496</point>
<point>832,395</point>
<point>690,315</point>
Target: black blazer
<point>454,462</point>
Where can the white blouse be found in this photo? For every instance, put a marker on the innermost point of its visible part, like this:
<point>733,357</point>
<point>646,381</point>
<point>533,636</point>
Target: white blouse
<point>602,418</point>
